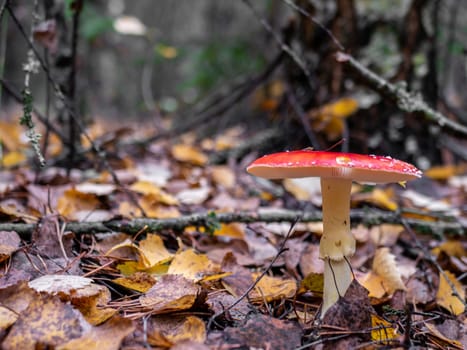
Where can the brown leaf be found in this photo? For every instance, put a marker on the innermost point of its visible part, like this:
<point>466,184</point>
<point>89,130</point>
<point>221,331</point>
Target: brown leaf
<point>7,318</point>
<point>47,322</point>
<point>107,336</point>
<point>139,281</point>
<point>261,332</point>
<point>352,312</point>
<point>171,293</point>
<point>49,239</point>
<point>86,296</point>
<point>175,329</point>
<point>9,243</point>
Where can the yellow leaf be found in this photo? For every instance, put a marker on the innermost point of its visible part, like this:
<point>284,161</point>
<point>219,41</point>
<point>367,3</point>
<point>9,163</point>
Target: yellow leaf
<point>313,282</point>
<point>46,320</point>
<point>223,175</point>
<point>342,108</point>
<point>193,266</point>
<point>234,230</point>
<point>329,118</point>
<point>13,158</point>
<point>379,197</point>
<point>382,331</point>
<point>273,288</point>
<point>73,201</point>
<point>10,135</point>
<point>166,51</point>
<point>445,296</point>
<point>128,268</point>
<point>374,284</point>
<point>155,193</point>
<point>188,154</point>
<point>139,281</point>
<point>451,248</point>
<point>153,251</point>
<point>445,172</point>
<point>384,264</point>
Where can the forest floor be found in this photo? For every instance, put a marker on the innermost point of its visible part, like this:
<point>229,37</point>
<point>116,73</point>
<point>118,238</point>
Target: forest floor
<point>163,249</point>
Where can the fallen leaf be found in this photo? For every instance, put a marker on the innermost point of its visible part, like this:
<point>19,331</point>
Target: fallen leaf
<point>233,230</point>
<point>384,265</point>
<point>223,175</point>
<point>188,154</point>
<point>138,281</point>
<point>74,201</point>
<point>272,288</point>
<point>194,195</point>
<point>83,294</point>
<point>386,234</point>
<point>153,252</point>
<point>305,189</point>
<point>382,331</point>
<point>193,266</point>
<point>149,188</point>
<point>310,261</point>
<point>351,312</point>
<point>46,320</point>
<point>445,296</point>
<point>10,135</point>
<point>451,248</point>
<point>445,172</point>
<point>329,118</point>
<point>446,342</point>
<point>13,159</point>
<point>166,51</point>
<point>66,284</point>
<point>313,282</point>
<point>7,318</point>
<point>163,330</point>
<point>95,188</point>
<point>9,243</point>
<point>261,332</point>
<point>108,336</point>
<point>170,293</point>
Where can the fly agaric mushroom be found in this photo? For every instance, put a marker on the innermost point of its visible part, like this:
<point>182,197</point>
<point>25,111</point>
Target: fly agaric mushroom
<point>337,171</point>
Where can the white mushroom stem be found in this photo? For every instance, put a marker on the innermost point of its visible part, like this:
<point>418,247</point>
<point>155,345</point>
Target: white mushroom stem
<point>337,242</point>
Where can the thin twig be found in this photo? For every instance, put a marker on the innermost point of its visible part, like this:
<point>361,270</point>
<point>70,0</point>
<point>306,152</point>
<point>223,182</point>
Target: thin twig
<point>406,101</point>
<point>94,147</point>
<point>281,250</point>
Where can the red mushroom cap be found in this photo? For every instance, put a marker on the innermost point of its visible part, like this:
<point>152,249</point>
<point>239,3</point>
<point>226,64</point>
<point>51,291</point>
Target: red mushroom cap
<point>358,167</point>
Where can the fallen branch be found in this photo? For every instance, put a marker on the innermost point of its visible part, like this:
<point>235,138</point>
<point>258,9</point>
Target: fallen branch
<point>441,225</point>
<point>407,101</point>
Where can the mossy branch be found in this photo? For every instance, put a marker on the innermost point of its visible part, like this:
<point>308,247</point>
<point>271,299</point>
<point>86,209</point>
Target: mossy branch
<point>436,226</point>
